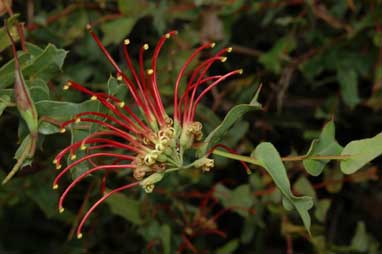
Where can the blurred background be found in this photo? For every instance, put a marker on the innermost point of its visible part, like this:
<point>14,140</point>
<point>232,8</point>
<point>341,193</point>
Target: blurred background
<point>317,61</point>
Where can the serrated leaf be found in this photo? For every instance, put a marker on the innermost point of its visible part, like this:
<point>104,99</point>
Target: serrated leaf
<point>270,159</point>
<point>361,152</point>
<point>39,90</point>
<point>47,64</point>
<point>125,207</point>
<point>63,111</point>
<point>37,63</point>
<point>230,119</point>
<point>325,145</point>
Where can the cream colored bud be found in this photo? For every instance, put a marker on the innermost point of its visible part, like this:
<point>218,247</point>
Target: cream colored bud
<point>149,188</point>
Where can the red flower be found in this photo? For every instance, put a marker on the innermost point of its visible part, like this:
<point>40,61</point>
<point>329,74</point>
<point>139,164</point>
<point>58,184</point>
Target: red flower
<point>152,142</point>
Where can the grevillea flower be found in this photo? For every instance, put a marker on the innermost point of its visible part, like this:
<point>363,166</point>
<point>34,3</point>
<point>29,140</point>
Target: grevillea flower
<point>143,138</point>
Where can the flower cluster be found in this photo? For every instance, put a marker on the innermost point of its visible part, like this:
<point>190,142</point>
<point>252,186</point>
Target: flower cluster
<point>142,137</point>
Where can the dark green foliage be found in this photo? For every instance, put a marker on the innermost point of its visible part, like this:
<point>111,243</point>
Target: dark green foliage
<point>320,66</point>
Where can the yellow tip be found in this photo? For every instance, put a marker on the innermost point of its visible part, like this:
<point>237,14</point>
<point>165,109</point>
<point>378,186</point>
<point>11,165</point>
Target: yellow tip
<point>150,71</point>
<point>168,35</point>
<point>73,157</point>
<point>83,147</point>
<point>240,71</point>
<point>79,236</point>
<point>229,50</point>
<point>55,187</point>
<point>223,59</point>
<point>77,120</point>
<point>66,87</point>
<point>145,46</point>
<point>126,42</point>
<point>213,44</point>
<point>54,161</point>
<point>88,27</point>
<point>62,130</point>
<point>119,77</point>
<point>58,166</point>
<point>121,104</point>
<point>61,210</point>
<point>93,98</point>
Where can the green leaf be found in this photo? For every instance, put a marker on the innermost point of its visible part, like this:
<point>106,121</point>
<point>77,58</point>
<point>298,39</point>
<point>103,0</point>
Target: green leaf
<point>322,207</point>
<point>360,241</point>
<point>39,90</point>
<point>303,187</point>
<point>270,159</point>
<point>166,238</point>
<point>46,128</point>
<point>361,152</point>
<point>22,155</point>
<point>239,200</point>
<point>348,80</point>
<point>47,64</point>
<point>334,178</point>
<point>272,59</point>
<point>229,247</point>
<point>325,145</point>
<point>5,101</point>
<point>125,207</point>
<point>37,63</point>
<point>134,8</point>
<point>4,39</point>
<point>63,111</point>
<point>45,198</point>
<point>230,119</point>
<point>115,31</point>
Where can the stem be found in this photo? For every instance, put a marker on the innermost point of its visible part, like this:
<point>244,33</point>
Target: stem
<point>290,158</point>
<point>316,157</point>
<point>237,157</point>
